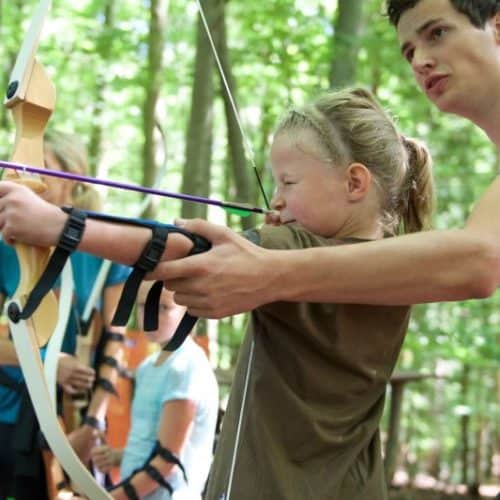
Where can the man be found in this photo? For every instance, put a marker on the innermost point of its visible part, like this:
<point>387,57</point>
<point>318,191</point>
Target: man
<point>449,43</point>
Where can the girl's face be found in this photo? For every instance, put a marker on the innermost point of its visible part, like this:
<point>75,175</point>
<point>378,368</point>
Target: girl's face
<point>169,314</point>
<point>58,191</point>
<point>310,189</point>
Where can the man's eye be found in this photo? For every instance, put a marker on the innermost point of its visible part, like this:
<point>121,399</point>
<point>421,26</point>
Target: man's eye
<point>437,33</point>
<point>409,55</point>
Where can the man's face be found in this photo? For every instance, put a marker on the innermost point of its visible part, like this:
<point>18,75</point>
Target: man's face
<point>453,61</point>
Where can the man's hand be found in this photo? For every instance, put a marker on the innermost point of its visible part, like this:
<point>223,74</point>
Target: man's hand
<point>234,276</point>
<point>74,376</point>
<point>27,218</point>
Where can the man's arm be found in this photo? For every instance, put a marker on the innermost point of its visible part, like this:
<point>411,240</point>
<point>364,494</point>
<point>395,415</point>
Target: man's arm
<point>236,276</point>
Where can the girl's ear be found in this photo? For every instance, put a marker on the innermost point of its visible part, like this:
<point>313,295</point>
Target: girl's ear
<point>359,180</point>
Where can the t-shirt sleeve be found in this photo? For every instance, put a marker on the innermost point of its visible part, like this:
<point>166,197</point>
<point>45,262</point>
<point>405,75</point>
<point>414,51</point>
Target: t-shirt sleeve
<point>286,237</point>
<point>182,382</point>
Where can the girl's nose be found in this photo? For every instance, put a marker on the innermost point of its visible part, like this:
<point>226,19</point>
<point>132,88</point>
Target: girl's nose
<point>277,202</point>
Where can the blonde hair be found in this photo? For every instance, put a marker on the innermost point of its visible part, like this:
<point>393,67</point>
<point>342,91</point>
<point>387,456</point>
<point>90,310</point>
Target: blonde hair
<point>72,156</point>
<point>352,127</point>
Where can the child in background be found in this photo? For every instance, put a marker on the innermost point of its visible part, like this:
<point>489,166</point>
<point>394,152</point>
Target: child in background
<point>174,407</point>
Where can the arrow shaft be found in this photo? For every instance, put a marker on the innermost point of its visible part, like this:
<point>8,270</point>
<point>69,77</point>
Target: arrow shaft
<point>130,187</point>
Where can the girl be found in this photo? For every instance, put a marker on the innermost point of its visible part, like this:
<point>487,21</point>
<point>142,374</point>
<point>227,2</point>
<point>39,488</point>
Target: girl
<point>303,424</point>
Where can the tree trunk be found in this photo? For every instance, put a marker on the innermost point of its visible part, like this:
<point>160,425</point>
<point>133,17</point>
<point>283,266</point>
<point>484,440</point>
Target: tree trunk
<point>156,43</point>
<point>196,174</point>
<point>95,135</point>
<point>347,28</point>
<point>245,182</point>
<point>464,427</point>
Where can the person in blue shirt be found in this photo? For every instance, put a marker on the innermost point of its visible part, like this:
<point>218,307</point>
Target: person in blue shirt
<point>174,410</point>
<point>74,375</point>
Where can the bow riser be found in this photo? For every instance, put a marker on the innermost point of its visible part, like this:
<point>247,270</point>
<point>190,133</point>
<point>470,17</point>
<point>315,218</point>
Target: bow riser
<point>31,117</point>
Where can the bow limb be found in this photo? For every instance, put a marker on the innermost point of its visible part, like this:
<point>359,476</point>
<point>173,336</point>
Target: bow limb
<point>31,97</point>
<point>56,340</point>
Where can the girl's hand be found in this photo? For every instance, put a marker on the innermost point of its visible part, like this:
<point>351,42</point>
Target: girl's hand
<point>27,218</point>
<point>73,375</point>
<point>105,458</point>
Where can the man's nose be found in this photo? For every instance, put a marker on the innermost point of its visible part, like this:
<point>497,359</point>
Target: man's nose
<point>423,61</point>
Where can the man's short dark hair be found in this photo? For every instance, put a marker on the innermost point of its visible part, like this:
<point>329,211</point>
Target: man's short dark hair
<point>478,11</point>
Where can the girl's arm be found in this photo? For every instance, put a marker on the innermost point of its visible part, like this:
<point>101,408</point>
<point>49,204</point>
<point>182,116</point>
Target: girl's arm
<point>26,218</point>
<point>174,430</point>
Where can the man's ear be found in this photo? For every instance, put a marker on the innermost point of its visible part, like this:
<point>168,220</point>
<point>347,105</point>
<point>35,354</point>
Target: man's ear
<point>359,181</point>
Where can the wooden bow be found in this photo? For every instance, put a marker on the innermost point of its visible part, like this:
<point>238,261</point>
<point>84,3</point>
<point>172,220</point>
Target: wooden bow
<point>31,97</point>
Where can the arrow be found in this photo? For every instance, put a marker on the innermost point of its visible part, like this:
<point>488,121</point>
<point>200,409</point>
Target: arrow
<point>240,209</point>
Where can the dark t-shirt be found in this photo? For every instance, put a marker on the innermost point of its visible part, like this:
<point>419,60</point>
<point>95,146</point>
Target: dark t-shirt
<point>314,400</point>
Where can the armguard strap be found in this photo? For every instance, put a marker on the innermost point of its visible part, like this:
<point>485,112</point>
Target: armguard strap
<point>68,242</point>
<point>155,474</point>
<point>106,385</point>
<point>147,262</point>
<point>113,363</point>
<point>129,490</point>
<point>168,456</point>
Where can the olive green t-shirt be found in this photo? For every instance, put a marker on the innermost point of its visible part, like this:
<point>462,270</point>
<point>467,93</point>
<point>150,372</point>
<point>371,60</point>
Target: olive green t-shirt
<point>309,425</point>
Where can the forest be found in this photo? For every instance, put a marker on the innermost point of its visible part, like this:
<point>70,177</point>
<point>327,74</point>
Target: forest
<point>159,103</point>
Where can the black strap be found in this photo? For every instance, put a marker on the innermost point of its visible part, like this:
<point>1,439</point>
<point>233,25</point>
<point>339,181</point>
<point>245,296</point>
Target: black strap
<point>94,422</point>
<point>148,260</point>
<point>168,456</point>
<point>151,312</point>
<point>113,337</point>
<point>113,363</point>
<point>129,490</point>
<point>152,307</point>
<point>106,385</point>
<point>155,474</point>
<point>183,330</point>
<point>68,241</point>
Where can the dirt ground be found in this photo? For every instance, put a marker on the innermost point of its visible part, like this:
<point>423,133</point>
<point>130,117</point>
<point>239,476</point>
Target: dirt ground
<point>412,494</point>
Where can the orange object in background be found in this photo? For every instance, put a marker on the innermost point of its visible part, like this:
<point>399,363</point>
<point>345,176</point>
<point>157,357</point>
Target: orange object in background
<point>137,347</point>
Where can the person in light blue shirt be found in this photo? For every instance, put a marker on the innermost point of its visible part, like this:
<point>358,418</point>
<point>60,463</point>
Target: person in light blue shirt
<point>174,408</point>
